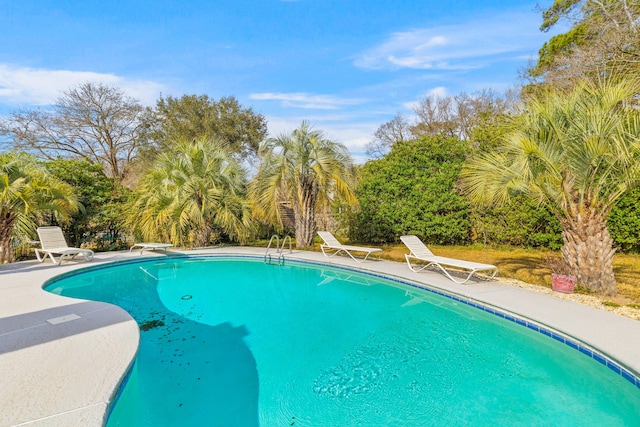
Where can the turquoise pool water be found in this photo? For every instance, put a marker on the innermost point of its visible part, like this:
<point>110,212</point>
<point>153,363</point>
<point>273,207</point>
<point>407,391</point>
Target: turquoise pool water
<point>236,342</point>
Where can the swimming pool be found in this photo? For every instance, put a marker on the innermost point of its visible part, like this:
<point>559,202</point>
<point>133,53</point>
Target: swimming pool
<point>230,341</point>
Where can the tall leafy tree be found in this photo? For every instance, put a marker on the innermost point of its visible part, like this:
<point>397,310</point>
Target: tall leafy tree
<point>93,121</point>
<point>190,194</point>
<point>308,171</point>
<point>27,191</point>
<point>578,153</point>
<point>193,117</point>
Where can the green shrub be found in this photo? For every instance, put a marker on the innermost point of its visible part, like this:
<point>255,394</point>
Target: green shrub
<point>624,222</point>
<point>412,191</point>
<point>99,222</point>
<point>521,222</point>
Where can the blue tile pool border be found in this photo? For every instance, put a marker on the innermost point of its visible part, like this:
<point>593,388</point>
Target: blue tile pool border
<point>583,348</point>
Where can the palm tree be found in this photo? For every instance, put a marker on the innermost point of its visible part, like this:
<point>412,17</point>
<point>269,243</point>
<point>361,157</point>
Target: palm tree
<point>27,191</point>
<point>306,170</point>
<point>190,192</point>
<point>578,153</point>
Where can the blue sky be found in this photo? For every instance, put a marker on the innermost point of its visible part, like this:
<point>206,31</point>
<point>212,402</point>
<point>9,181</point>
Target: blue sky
<point>345,66</point>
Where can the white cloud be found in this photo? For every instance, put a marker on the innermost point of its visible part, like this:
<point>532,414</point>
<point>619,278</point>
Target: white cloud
<point>438,92</point>
<point>29,86</point>
<point>306,100</point>
<point>411,105</point>
<point>468,45</point>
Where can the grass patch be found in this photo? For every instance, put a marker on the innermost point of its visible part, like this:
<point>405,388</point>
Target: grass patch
<point>527,265</point>
<point>611,304</point>
<point>530,265</point>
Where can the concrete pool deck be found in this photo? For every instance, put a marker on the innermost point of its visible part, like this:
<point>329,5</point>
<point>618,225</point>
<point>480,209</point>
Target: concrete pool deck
<point>62,359</point>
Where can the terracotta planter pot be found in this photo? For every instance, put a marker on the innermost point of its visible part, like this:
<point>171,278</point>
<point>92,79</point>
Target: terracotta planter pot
<point>563,283</point>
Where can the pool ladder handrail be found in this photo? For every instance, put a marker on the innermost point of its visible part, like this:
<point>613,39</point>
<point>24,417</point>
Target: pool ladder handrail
<point>279,249</point>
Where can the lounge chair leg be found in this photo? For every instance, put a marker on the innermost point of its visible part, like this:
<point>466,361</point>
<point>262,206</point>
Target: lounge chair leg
<point>330,255</point>
<point>54,259</point>
<point>353,258</point>
<point>367,256</point>
<point>451,277</point>
<point>412,268</point>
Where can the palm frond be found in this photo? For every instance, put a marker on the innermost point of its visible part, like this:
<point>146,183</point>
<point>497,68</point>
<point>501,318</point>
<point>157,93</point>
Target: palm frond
<point>575,151</point>
<point>182,197</point>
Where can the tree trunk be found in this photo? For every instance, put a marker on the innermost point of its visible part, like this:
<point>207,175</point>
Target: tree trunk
<point>203,235</point>
<point>588,252</point>
<point>305,217</point>
<point>6,241</point>
<point>6,249</point>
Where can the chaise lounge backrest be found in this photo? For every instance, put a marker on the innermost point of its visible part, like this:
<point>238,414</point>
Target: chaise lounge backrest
<point>51,238</point>
<point>329,239</point>
<point>417,248</point>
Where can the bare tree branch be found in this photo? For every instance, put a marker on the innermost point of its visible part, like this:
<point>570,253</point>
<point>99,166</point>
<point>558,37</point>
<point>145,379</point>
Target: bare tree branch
<point>389,133</point>
<point>605,38</point>
<point>451,116</point>
<point>93,121</point>
<point>456,116</point>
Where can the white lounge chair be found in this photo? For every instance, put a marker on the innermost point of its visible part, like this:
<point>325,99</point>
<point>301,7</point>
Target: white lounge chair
<point>331,243</point>
<point>420,252</point>
<point>151,246</point>
<point>52,242</point>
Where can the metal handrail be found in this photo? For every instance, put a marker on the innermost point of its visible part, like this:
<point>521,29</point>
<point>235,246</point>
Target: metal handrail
<point>284,241</point>
<point>266,253</point>
<point>279,249</point>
